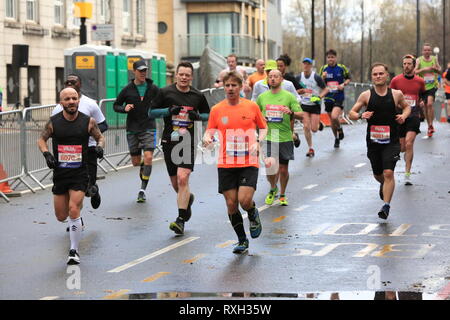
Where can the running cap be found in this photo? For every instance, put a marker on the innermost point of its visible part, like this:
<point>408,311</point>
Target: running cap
<point>308,60</point>
<point>140,65</point>
<point>270,65</point>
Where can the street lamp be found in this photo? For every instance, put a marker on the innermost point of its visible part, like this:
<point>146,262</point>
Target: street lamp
<point>83,10</point>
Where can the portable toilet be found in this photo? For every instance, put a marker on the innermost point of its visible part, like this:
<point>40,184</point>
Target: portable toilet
<point>134,55</point>
<point>92,64</point>
<point>162,70</point>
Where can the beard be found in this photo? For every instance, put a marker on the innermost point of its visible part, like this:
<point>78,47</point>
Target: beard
<point>69,110</point>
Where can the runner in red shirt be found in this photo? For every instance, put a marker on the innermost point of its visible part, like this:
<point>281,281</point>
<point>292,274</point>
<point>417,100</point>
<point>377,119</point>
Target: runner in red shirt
<point>235,121</point>
<point>412,87</point>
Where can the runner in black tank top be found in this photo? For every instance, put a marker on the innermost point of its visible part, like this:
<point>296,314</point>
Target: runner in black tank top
<point>70,131</point>
<point>382,137</point>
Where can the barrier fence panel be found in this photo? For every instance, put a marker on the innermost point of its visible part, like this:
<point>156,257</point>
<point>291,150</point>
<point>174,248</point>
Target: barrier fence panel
<point>11,152</point>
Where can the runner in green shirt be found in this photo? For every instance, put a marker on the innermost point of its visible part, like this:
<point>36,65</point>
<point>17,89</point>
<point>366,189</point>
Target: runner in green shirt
<point>278,106</point>
<point>427,67</point>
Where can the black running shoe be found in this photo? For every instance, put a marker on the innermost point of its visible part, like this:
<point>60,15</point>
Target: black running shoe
<point>241,247</point>
<point>384,212</point>
<point>340,134</point>
<point>73,257</point>
<point>337,142</point>
<point>297,141</point>
<point>141,197</point>
<point>189,211</point>
<point>96,200</point>
<point>177,226</point>
<point>320,126</point>
<point>381,192</point>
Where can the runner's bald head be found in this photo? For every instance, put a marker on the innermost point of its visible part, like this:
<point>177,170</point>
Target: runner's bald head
<point>67,91</point>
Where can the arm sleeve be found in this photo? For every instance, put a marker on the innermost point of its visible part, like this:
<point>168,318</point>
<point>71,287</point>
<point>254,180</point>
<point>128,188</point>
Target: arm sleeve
<point>103,126</point>
<point>320,81</point>
<point>158,113</point>
<point>120,100</point>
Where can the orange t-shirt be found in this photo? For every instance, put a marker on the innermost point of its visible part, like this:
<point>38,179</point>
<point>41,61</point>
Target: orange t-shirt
<point>447,88</point>
<point>255,77</point>
<point>237,132</point>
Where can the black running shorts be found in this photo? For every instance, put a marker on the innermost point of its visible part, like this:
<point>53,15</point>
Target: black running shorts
<point>383,157</point>
<point>76,183</point>
<point>311,109</point>
<point>233,178</point>
<point>175,160</point>
<point>283,151</point>
<point>411,124</point>
<point>330,104</point>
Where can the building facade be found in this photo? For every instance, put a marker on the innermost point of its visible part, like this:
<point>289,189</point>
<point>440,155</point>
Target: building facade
<point>241,27</point>
<point>49,26</point>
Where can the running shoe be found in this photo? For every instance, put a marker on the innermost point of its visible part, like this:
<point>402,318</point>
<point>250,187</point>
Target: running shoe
<point>189,211</point>
<point>82,226</point>
<point>255,225</point>
<point>337,142</point>
<point>177,226</point>
<point>297,141</point>
<point>321,126</point>
<point>340,134</point>
<point>381,192</point>
<point>430,131</point>
<point>310,153</point>
<point>73,257</point>
<point>283,201</point>
<point>271,196</point>
<point>141,197</point>
<point>408,179</point>
<point>384,211</point>
<point>95,198</point>
<point>448,119</point>
<point>241,247</point>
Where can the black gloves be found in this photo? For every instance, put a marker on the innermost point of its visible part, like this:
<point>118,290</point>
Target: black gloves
<point>99,151</point>
<point>193,115</point>
<point>50,159</point>
<point>175,110</point>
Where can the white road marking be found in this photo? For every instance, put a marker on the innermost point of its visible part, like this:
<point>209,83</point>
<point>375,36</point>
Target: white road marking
<point>49,298</point>
<point>360,165</point>
<point>311,186</point>
<point>301,208</point>
<point>337,190</point>
<point>319,198</point>
<point>153,255</point>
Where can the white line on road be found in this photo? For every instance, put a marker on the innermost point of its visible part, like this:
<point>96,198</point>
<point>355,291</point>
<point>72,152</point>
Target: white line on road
<point>360,165</point>
<point>153,255</point>
<point>49,298</point>
<point>319,198</point>
<point>311,186</point>
<point>302,208</point>
<point>337,190</point>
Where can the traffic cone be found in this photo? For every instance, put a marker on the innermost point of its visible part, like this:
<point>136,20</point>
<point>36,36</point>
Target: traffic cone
<point>325,119</point>
<point>4,186</point>
<point>443,117</point>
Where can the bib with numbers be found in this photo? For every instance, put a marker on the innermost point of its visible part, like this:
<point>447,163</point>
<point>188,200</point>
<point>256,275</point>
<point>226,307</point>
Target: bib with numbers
<point>429,78</point>
<point>70,156</point>
<point>411,100</point>
<point>274,113</point>
<point>333,86</point>
<point>182,120</point>
<point>380,134</point>
<point>237,146</point>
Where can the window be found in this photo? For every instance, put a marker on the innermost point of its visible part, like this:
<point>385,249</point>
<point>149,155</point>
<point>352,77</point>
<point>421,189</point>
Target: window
<point>140,13</point>
<point>59,77</point>
<point>76,22</point>
<point>12,86</point>
<point>11,9</point>
<point>34,90</point>
<point>59,12</point>
<point>126,16</point>
<point>32,10</point>
<point>105,11</point>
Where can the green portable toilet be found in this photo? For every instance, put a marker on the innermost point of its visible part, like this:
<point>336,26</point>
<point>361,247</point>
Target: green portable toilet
<point>135,55</point>
<point>155,69</point>
<point>162,63</point>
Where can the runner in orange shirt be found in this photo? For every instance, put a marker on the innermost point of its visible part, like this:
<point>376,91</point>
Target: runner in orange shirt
<point>235,120</point>
<point>258,75</point>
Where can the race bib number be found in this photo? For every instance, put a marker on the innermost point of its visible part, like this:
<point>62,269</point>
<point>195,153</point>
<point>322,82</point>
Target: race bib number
<point>70,156</point>
<point>380,134</point>
<point>333,86</point>
<point>182,119</point>
<point>237,146</point>
<point>429,78</point>
<point>411,100</point>
<point>274,113</point>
